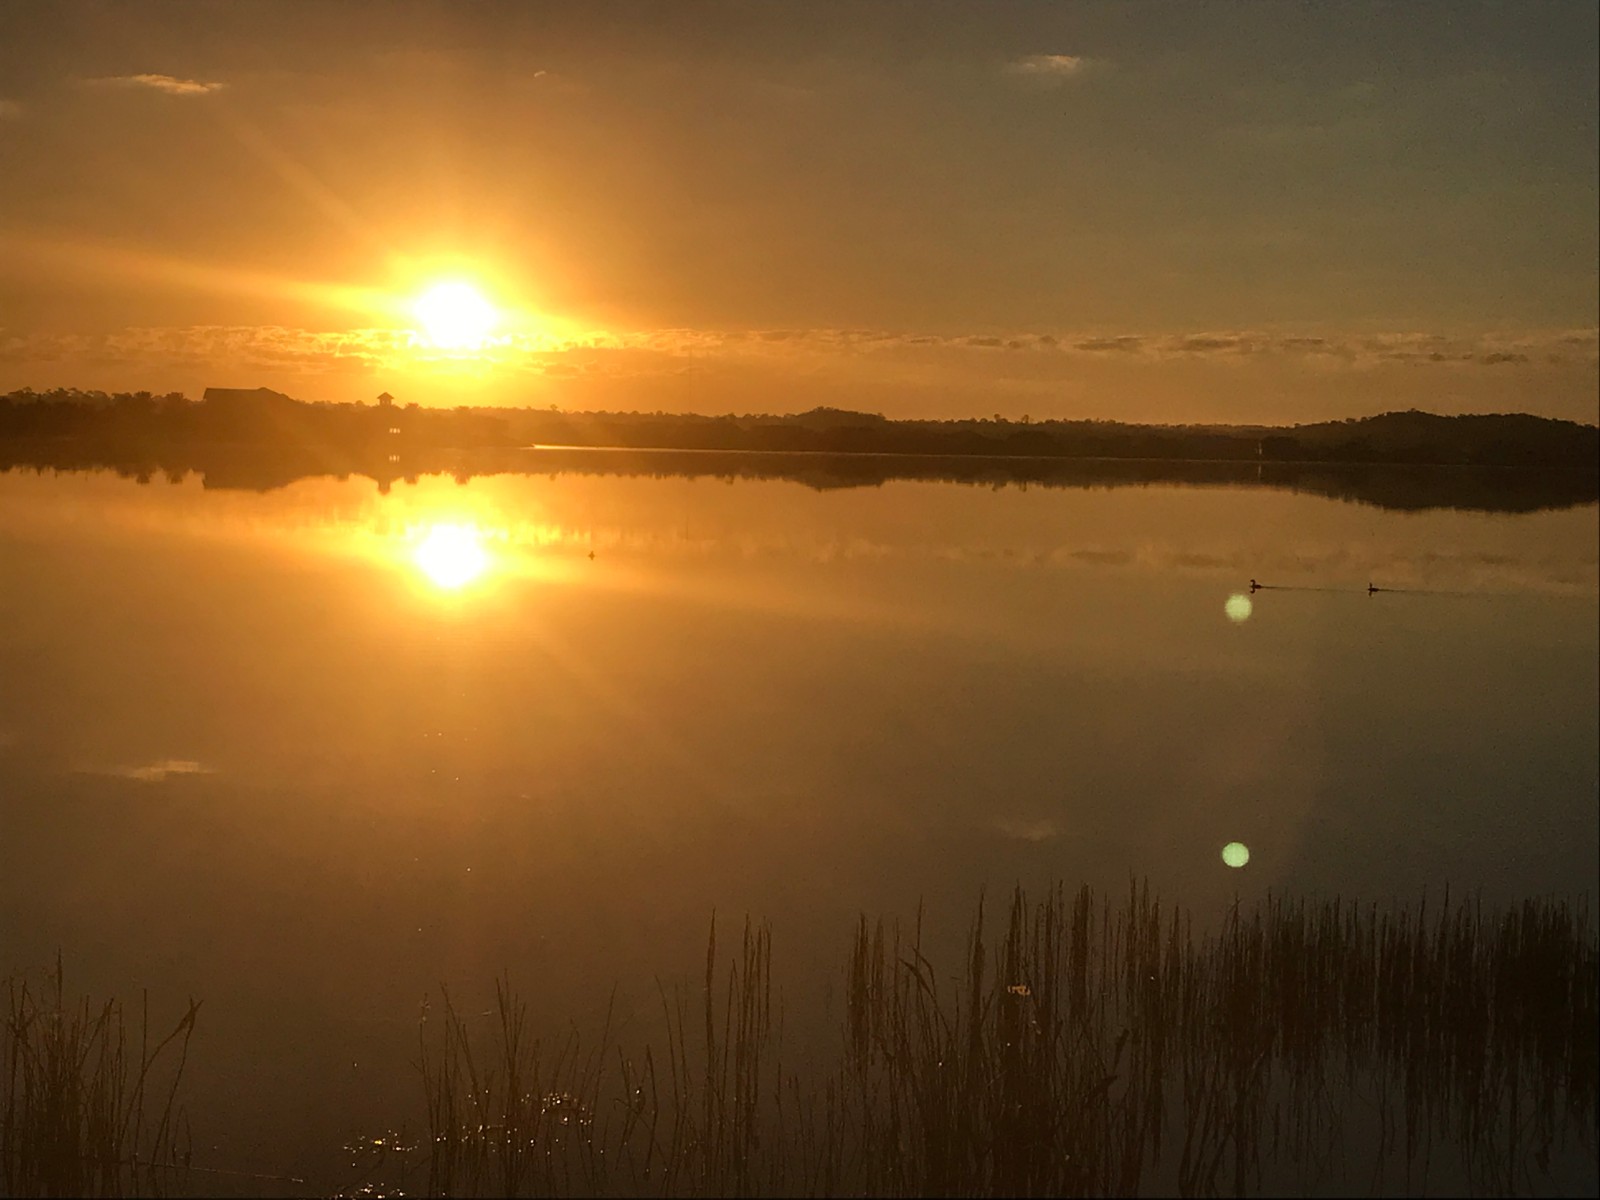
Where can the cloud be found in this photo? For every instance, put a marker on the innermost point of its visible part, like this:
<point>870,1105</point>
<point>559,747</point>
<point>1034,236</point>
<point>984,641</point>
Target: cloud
<point>208,346</point>
<point>170,84</point>
<point>1553,347</point>
<point>1203,344</point>
<point>1127,344</point>
<point>155,772</point>
<point>1048,66</point>
<point>10,110</point>
<point>619,354</point>
<point>1489,350</point>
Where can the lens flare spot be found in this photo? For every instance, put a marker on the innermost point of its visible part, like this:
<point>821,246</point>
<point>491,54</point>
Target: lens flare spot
<point>1236,854</point>
<point>1238,608</point>
<point>451,556</point>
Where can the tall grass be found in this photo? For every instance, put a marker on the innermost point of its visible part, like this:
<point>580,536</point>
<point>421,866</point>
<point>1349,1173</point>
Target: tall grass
<point>86,1112</point>
<point>1084,1046</point>
<point>512,1114</point>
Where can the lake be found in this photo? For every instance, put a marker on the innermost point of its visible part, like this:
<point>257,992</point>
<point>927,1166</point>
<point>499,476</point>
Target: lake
<point>307,753</point>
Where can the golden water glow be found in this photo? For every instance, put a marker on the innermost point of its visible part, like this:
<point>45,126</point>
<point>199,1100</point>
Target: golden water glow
<point>1236,854</point>
<point>452,556</point>
<point>455,315</point>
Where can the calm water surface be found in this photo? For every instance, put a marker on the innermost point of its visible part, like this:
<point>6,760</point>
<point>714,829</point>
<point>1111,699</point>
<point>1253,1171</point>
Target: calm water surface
<point>305,754</point>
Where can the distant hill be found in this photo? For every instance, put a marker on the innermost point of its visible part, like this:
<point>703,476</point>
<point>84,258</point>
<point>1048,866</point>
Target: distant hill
<point>1500,439</point>
<point>1507,440</point>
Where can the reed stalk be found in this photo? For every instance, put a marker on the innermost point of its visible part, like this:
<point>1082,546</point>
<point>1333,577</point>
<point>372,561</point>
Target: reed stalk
<point>1085,1047</point>
<point>85,1113</point>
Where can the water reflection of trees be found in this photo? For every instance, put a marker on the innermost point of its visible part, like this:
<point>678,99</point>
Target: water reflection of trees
<point>1088,1048</point>
<point>258,467</point>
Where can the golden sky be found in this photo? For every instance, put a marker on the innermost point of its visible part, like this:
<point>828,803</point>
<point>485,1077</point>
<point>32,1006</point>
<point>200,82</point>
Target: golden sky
<point>1169,212</point>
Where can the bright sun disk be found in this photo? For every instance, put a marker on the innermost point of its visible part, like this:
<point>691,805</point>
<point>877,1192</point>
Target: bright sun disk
<point>455,316</point>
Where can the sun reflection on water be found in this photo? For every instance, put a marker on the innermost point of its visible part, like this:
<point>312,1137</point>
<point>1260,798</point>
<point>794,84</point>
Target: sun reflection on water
<point>452,556</point>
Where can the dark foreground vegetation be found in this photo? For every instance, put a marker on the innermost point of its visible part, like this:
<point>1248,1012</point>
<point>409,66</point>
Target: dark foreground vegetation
<point>87,1110</point>
<point>1082,1046</point>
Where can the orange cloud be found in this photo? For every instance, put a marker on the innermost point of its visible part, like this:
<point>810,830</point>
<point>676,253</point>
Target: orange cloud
<point>170,84</point>
<point>280,346</point>
<point>1049,70</point>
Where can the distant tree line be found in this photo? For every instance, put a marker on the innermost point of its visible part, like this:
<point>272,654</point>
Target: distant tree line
<point>268,418</point>
<point>259,418</point>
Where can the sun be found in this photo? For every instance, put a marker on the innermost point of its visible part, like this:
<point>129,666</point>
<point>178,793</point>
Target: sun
<point>452,556</point>
<point>455,315</point>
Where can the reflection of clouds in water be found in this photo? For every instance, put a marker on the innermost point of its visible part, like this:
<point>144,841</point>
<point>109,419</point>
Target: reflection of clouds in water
<point>1100,558</point>
<point>1203,561</point>
<point>1477,570</point>
<point>1028,831</point>
<point>153,772</point>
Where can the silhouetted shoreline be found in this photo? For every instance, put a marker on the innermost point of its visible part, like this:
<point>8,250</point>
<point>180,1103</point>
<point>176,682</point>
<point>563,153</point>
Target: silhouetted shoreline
<point>257,439</point>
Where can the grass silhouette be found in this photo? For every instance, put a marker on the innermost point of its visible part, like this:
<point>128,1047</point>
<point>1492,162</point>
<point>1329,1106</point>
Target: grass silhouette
<point>1086,1047</point>
<point>86,1113</point>
<point>1082,1045</point>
